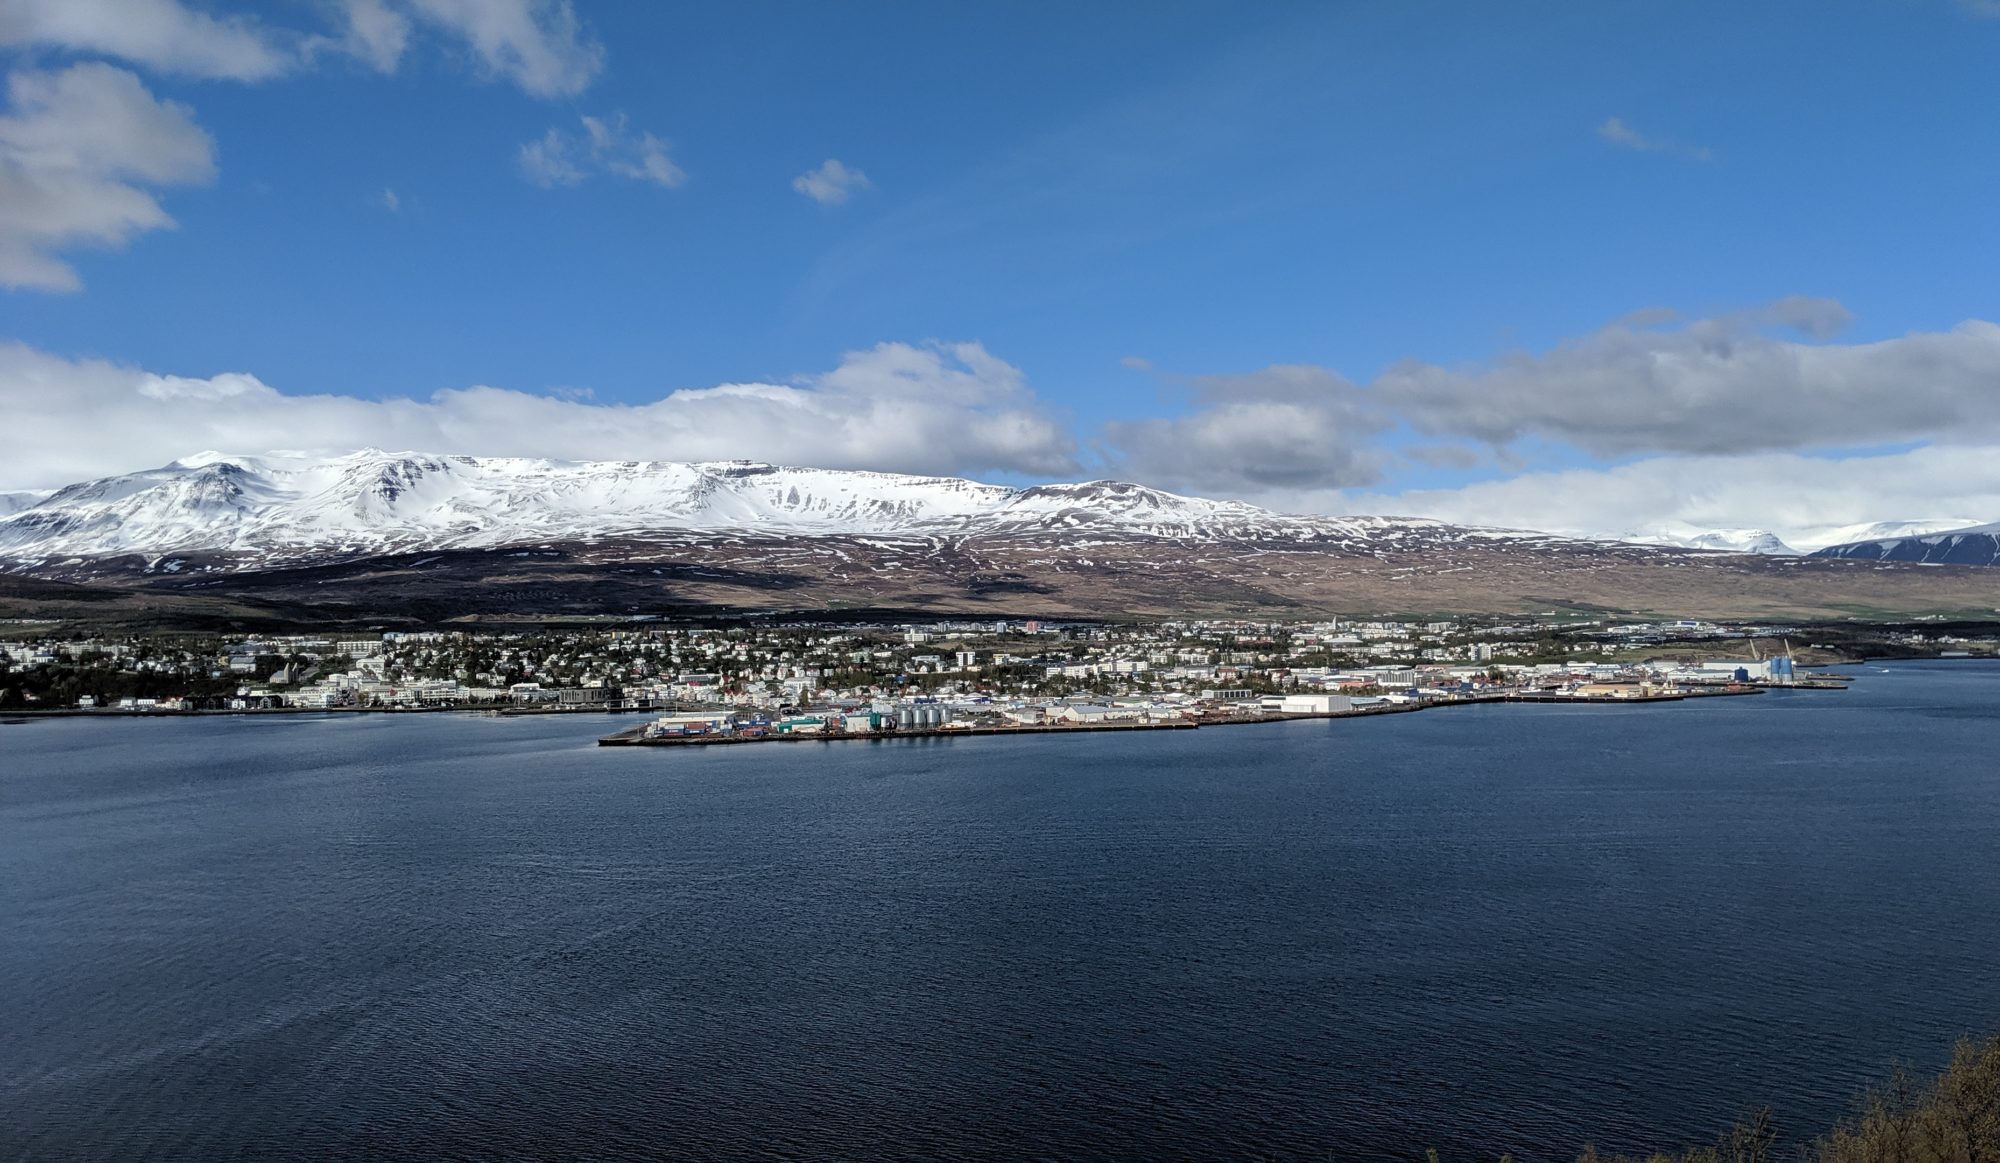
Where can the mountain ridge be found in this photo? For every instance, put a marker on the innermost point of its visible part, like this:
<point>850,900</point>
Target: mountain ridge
<point>1972,545</point>
<point>276,508</point>
<point>375,538</point>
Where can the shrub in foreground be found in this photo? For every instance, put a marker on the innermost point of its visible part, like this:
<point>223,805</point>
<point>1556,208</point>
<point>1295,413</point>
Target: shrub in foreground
<point>1952,1119</point>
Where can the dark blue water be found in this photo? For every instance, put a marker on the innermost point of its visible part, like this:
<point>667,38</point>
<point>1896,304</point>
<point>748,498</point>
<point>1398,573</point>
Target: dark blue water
<point>1496,928</point>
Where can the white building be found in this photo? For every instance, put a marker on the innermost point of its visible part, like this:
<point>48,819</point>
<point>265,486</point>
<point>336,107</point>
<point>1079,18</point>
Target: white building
<point>1309,704</point>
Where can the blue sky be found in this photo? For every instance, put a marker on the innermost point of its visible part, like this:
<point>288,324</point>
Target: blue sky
<point>1139,208</point>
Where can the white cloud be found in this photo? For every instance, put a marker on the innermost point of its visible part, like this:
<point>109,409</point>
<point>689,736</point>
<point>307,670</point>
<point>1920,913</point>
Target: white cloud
<point>1299,439</point>
<point>390,201</point>
<point>831,183</point>
<point>1721,385</point>
<point>220,387</point>
<point>606,145</point>
<point>537,44</point>
<point>631,155</point>
<point>1737,407</point>
<point>160,34</point>
<point>376,33</point>
<point>549,160</point>
<point>75,150</point>
<point>1803,499</point>
<point>1283,428</point>
<point>82,146</point>
<point>1615,131</point>
<point>938,408</point>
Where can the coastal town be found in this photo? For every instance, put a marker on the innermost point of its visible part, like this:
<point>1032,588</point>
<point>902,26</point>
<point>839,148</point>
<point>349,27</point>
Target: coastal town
<point>790,680</point>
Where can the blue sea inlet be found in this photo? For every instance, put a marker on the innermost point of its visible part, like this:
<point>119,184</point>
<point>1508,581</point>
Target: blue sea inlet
<point>1480,929</point>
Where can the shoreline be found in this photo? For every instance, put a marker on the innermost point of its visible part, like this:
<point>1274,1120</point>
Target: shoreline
<point>24,716</point>
<point>635,736</point>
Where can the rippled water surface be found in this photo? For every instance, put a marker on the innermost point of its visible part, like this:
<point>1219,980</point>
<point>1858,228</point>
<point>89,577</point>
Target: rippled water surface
<point>1510,928</point>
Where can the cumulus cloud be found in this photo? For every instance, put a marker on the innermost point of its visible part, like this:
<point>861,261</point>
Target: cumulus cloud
<point>1615,131</point>
<point>936,408</point>
<point>1714,386</point>
<point>78,151</point>
<point>165,35</point>
<point>831,183</point>
<point>1753,419</point>
<point>1285,427</point>
<point>1748,420</point>
<point>605,145</point>
<point>81,149</point>
<point>1807,501</point>
<point>1766,380</point>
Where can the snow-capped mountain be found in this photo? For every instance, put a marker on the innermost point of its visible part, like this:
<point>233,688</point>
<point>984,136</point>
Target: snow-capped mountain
<point>1976,545</point>
<point>1821,537</point>
<point>1722,540</point>
<point>1800,540</point>
<point>11,503</point>
<point>373,538</point>
<point>277,508</point>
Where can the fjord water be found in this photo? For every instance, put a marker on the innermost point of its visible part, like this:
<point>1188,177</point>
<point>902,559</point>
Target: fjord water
<point>1493,928</point>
